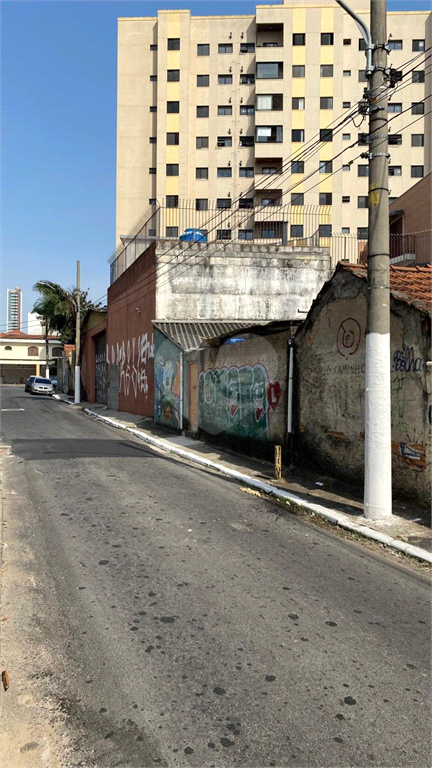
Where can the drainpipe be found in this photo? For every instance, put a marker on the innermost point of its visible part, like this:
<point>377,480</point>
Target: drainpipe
<point>181,394</point>
<point>290,386</point>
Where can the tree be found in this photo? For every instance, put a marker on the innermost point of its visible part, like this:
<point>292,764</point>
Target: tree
<point>57,307</point>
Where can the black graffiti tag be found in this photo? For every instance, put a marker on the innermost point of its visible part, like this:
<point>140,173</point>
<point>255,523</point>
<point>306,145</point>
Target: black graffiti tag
<point>348,337</point>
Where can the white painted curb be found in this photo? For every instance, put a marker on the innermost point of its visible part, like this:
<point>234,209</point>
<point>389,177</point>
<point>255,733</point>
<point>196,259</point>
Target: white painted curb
<point>337,518</point>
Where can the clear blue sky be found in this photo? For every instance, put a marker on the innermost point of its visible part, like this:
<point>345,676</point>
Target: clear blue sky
<point>58,126</point>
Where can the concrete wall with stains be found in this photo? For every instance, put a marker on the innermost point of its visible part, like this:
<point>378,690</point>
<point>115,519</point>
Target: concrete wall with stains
<point>242,393</point>
<point>167,381</point>
<point>330,373</point>
<point>94,326</point>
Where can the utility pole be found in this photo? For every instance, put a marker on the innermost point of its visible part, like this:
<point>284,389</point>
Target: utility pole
<point>377,483</point>
<point>77,392</point>
<point>46,348</point>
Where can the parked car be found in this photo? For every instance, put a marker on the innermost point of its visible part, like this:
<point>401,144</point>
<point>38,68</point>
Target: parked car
<point>40,386</point>
<point>28,382</point>
<point>193,235</point>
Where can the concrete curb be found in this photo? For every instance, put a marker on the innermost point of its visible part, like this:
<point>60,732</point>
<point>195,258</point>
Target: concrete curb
<point>332,516</point>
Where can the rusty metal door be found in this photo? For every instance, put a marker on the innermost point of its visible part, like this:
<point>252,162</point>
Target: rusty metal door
<point>193,396</point>
<point>100,368</point>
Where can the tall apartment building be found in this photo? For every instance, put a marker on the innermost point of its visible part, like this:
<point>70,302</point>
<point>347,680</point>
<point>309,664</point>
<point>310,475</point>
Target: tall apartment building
<point>13,309</point>
<point>225,107</point>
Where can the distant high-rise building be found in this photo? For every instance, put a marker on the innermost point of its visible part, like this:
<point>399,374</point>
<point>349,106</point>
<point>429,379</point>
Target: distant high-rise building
<point>34,324</point>
<point>14,309</point>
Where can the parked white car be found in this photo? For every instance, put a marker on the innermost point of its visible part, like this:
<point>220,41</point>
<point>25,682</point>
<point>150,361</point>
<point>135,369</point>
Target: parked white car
<point>41,386</point>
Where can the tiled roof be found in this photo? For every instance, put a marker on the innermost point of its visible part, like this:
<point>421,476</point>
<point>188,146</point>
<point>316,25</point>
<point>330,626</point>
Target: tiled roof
<point>412,285</point>
<point>21,335</point>
<point>188,334</point>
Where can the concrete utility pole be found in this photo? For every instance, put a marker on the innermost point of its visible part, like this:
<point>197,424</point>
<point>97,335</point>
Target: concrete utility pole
<point>46,348</point>
<point>77,391</point>
<point>377,484</point>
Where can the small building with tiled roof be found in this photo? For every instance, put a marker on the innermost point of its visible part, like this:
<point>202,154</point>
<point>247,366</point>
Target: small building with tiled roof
<point>23,355</point>
<point>330,359</point>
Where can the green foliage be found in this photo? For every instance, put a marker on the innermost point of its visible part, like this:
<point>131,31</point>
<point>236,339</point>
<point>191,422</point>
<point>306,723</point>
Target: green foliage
<point>57,307</point>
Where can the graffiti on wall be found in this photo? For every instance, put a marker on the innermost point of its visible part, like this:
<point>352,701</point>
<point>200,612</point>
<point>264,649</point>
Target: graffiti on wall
<point>406,361</point>
<point>348,337</point>
<point>411,454</point>
<point>132,357</point>
<point>167,390</point>
<point>238,400</point>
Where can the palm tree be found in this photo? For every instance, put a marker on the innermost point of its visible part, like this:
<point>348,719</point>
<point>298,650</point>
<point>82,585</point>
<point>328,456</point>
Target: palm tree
<point>57,307</point>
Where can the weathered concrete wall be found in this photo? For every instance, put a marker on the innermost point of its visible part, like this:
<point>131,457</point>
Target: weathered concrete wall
<point>331,387</point>
<point>88,356</point>
<point>167,373</point>
<point>238,282</point>
<point>242,393</point>
<point>131,308</point>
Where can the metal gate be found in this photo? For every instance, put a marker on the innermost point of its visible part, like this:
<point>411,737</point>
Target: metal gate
<point>100,368</point>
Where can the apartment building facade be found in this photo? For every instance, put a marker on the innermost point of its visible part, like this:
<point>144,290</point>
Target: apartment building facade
<point>13,309</point>
<point>215,110</point>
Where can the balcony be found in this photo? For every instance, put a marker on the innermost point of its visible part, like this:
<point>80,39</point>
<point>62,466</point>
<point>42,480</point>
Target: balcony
<point>269,36</point>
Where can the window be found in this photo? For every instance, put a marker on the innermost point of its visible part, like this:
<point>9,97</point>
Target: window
<point>203,80</point>
<point>246,172</point>
<point>201,173</point>
<point>271,101</point>
<point>326,38</point>
<point>326,102</point>
<point>247,47</point>
<point>269,70</point>
<point>152,233</point>
<point>247,109</point>
<point>417,139</point>
<point>153,47</point>
<point>224,109</point>
<point>173,75</point>
<point>203,49</point>
<point>325,166</point>
<point>201,204</point>
<point>153,109</point>
<point>395,45</point>
<point>173,44</point>
<point>346,136</point>
<point>32,351</point>
<point>326,70</point>
<point>417,171</point>
<point>299,38</point>
<point>268,133</point>
<point>224,141</point>
<point>362,233</point>
<point>297,134</point>
<point>268,232</point>
<point>362,201</point>
<point>346,167</point>
<point>152,171</point>
<point>296,230</point>
<point>297,166</point>
<point>326,134</point>
<point>418,76</point>
<point>225,173</point>
<point>418,45</point>
<point>172,138</point>
<point>246,202</point>
<point>202,111</point>
<point>247,141</point>
<point>224,79</point>
<point>345,230</point>
<point>153,78</point>
<point>172,169</point>
<point>346,104</point>
<point>361,44</point>
<point>173,107</point>
<point>393,106</point>
<point>223,234</point>
<point>417,108</point>
<point>152,201</point>
<point>395,170</point>
<point>171,232</point>
<point>202,142</point>
<point>245,234</point>
<point>346,198</point>
<point>269,170</point>
<point>325,198</point>
<point>152,139</point>
<point>395,139</point>
<point>362,170</point>
<point>172,201</point>
<point>225,48</point>
<point>362,76</point>
<point>297,198</point>
<point>247,79</point>
<point>298,70</point>
<point>223,202</point>
<point>325,230</point>
<point>297,102</point>
<point>8,349</point>
<point>347,41</point>
<point>346,73</point>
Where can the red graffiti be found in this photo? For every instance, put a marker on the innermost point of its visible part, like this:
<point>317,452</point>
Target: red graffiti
<point>348,337</point>
<point>273,394</point>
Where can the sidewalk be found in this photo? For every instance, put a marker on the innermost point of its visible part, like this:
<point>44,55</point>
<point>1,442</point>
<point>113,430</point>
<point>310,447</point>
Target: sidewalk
<point>406,531</point>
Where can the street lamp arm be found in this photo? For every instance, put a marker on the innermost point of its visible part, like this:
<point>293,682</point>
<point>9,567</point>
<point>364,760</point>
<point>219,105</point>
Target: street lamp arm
<point>364,29</point>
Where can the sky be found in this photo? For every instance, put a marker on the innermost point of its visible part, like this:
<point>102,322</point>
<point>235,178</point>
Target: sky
<point>58,86</point>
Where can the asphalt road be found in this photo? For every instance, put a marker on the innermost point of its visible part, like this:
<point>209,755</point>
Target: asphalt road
<point>182,621</point>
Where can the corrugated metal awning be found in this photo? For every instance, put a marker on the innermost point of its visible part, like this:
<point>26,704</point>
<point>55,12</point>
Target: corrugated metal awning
<point>190,334</point>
